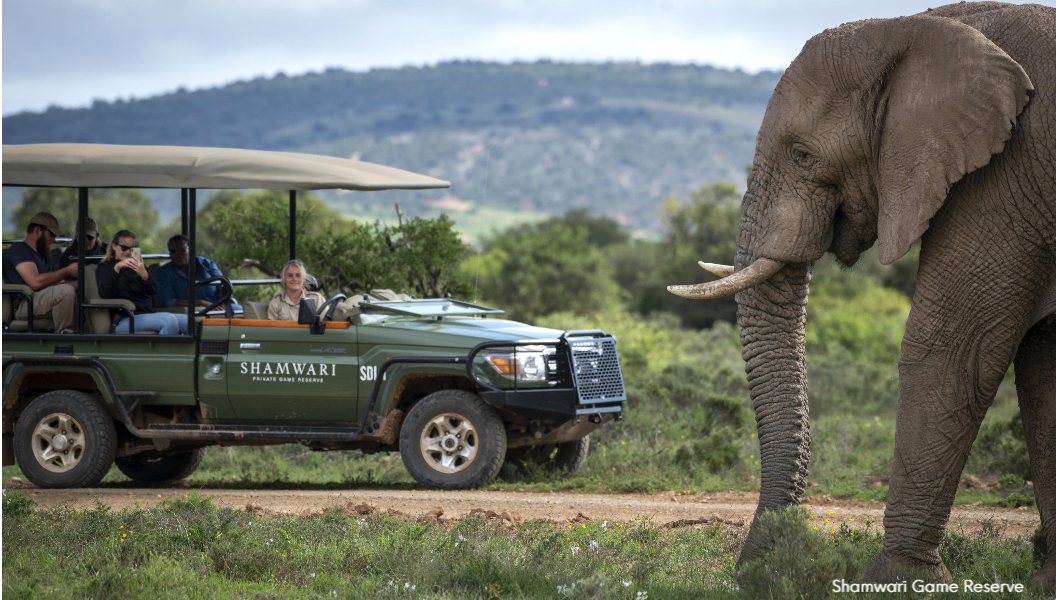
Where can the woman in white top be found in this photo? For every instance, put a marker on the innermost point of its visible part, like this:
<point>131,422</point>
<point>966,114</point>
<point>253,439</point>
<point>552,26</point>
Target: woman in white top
<point>284,304</point>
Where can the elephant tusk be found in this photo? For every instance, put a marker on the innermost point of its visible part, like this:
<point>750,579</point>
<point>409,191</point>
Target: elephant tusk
<point>759,271</point>
<point>719,270</point>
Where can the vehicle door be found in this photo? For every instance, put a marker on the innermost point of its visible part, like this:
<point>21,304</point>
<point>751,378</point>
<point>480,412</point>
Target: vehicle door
<point>279,372</point>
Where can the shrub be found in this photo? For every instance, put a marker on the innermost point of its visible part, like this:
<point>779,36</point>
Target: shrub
<point>17,504</point>
<point>1000,449</point>
<point>798,562</point>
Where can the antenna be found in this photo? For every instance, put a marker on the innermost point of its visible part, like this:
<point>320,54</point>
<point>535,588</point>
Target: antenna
<point>478,250</point>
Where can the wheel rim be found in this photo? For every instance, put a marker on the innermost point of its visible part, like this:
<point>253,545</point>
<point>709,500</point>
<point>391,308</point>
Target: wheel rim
<point>449,443</point>
<point>58,442</point>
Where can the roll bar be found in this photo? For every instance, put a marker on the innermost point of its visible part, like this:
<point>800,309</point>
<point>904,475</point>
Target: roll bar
<point>188,212</point>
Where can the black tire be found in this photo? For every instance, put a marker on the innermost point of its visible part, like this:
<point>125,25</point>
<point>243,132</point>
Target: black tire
<point>145,468</point>
<point>482,430</point>
<point>82,456</point>
<point>565,458</point>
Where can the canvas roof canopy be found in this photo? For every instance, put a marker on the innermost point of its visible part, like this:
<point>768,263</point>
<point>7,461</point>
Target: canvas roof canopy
<point>105,165</point>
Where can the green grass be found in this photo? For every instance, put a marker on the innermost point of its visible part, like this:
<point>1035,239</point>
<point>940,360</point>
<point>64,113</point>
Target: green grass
<point>190,548</point>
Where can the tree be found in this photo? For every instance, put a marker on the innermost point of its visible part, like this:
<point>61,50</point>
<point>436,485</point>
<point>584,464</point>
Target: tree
<point>344,256</point>
<point>601,232</point>
<point>534,270</point>
<point>429,255</point>
<point>701,229</point>
<point>113,209</point>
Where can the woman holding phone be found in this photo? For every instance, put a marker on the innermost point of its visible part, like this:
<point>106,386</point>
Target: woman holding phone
<point>122,274</point>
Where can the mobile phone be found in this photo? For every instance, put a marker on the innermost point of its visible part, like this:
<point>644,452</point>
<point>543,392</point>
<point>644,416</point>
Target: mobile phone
<point>136,253</point>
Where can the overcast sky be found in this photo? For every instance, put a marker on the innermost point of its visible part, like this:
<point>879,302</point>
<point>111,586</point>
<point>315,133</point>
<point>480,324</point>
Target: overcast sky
<point>70,52</point>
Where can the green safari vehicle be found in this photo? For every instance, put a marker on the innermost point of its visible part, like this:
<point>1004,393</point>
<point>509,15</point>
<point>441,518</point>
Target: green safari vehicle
<point>453,388</point>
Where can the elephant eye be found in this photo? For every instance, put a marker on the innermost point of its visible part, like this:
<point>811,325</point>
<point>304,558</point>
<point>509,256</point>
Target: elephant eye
<point>801,157</point>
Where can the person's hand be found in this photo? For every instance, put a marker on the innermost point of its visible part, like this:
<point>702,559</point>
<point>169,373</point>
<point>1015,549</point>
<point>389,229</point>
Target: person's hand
<point>138,266</point>
<point>203,303</point>
<point>70,270</point>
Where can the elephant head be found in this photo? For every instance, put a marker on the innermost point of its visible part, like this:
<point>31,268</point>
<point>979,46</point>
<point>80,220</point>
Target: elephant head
<point>864,136</point>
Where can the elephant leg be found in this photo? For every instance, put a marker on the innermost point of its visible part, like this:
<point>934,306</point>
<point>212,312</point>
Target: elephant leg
<point>1036,387</point>
<point>955,353</point>
<point>937,423</point>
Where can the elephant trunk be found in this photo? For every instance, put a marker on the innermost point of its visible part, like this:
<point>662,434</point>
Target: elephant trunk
<point>772,320</point>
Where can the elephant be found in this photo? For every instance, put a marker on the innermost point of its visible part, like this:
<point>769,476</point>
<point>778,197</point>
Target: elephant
<point>939,126</point>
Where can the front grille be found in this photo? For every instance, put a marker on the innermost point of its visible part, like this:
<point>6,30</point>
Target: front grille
<point>596,371</point>
<point>558,367</point>
<point>213,347</point>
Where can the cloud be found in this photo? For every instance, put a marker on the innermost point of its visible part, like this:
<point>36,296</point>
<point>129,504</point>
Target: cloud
<point>69,52</point>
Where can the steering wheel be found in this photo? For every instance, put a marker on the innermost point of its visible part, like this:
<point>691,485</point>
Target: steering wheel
<point>333,302</point>
<point>226,295</point>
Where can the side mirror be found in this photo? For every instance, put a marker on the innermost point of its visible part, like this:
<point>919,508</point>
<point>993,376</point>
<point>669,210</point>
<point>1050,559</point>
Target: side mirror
<point>307,315</point>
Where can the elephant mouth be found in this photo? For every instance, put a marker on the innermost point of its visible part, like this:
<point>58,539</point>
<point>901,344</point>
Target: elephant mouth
<point>732,282</point>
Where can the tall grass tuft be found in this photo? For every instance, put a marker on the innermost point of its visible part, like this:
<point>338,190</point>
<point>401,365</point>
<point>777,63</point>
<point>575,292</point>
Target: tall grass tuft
<point>800,563</point>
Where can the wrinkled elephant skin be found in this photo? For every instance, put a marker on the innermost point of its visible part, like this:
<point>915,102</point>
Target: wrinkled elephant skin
<point>939,126</point>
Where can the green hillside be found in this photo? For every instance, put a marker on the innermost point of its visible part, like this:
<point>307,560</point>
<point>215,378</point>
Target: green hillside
<point>539,137</point>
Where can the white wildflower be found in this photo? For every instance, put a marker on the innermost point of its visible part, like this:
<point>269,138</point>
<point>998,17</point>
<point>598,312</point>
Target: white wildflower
<point>575,548</point>
<point>594,546</point>
<point>627,583</point>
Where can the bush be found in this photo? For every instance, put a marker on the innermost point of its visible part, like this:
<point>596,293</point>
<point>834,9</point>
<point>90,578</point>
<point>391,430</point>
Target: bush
<point>531,272</point>
<point>17,504</point>
<point>1000,449</point>
<point>798,562</point>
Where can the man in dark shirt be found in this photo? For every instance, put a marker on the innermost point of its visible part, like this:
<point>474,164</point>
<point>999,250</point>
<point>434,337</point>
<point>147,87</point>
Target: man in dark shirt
<point>27,263</point>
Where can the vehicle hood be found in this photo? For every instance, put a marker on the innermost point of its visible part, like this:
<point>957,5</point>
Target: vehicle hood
<point>468,332</point>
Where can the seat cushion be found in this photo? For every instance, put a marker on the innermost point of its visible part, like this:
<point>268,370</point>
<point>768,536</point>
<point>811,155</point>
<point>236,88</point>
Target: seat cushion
<point>39,323</point>
<point>255,310</point>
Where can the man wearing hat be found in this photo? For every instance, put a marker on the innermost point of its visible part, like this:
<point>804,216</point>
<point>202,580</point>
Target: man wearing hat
<point>27,263</point>
<point>92,245</point>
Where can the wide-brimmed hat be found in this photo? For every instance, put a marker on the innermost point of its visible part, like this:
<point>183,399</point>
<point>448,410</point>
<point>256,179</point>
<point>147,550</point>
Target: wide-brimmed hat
<point>48,222</point>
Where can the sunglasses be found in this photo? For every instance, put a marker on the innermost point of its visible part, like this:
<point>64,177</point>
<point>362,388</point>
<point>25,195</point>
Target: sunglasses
<point>180,250</point>
<point>125,248</point>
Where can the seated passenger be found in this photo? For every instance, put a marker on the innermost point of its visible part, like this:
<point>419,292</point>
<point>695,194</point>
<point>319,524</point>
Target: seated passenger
<point>284,304</point>
<point>27,263</point>
<point>173,277</point>
<point>93,245</point>
<point>123,275</point>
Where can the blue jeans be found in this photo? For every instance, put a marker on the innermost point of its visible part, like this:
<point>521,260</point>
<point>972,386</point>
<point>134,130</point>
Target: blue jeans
<point>163,323</point>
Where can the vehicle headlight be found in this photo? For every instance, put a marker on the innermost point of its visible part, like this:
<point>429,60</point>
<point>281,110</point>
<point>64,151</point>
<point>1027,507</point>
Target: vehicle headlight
<point>528,364</point>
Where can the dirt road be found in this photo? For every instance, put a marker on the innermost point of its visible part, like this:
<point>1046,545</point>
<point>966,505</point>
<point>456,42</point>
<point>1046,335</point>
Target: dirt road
<point>732,507</point>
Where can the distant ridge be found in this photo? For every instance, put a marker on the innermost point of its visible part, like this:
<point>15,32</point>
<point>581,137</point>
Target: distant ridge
<point>611,137</point>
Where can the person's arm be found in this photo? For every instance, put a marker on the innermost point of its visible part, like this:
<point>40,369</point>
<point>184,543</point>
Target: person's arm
<point>151,285</point>
<point>167,287</point>
<point>212,291</point>
<point>212,270</point>
<point>39,281</point>
<point>107,278</point>
<point>274,309</point>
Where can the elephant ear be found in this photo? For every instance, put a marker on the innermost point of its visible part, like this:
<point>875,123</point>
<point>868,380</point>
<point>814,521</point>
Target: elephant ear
<point>948,101</point>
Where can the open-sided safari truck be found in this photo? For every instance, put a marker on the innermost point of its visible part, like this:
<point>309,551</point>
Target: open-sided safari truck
<point>457,392</point>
